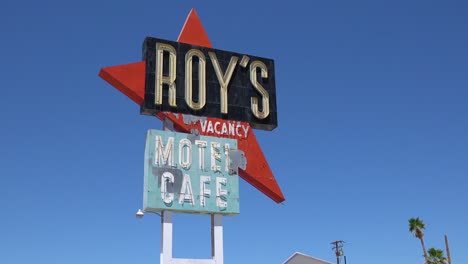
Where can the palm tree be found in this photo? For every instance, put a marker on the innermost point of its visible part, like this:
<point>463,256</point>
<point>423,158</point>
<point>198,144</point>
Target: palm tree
<point>436,256</point>
<point>416,227</point>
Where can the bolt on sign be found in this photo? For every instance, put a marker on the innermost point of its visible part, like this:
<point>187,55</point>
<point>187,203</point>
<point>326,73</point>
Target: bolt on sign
<point>189,79</point>
<point>191,174</point>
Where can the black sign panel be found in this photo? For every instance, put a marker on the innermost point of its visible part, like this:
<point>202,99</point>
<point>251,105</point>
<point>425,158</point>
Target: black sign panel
<point>188,79</point>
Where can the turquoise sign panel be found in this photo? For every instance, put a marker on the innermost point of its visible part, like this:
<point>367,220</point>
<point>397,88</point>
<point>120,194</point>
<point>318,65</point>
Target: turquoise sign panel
<point>189,173</point>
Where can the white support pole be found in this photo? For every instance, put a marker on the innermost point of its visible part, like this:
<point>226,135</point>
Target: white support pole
<point>217,238</point>
<point>217,252</point>
<point>166,237</point>
<point>216,242</point>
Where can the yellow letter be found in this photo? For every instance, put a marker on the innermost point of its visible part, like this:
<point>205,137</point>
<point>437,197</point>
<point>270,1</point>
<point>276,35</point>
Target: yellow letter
<point>160,79</point>
<point>201,79</point>
<point>265,96</point>
<point>223,80</point>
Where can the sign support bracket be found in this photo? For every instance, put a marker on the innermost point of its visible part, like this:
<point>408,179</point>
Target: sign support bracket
<point>217,252</point>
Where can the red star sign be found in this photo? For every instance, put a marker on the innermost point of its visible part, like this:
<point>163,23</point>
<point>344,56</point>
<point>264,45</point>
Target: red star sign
<point>130,80</point>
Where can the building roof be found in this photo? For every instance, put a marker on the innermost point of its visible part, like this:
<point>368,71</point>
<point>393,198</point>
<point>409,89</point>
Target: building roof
<point>300,258</point>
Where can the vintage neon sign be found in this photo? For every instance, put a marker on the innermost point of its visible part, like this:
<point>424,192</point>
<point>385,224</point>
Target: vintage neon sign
<point>130,79</point>
<point>201,81</point>
<point>190,175</point>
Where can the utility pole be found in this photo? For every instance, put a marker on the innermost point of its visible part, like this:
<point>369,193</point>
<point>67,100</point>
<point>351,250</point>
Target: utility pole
<point>338,248</point>
<point>449,260</point>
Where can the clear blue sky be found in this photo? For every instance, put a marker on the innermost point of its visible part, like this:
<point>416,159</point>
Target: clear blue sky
<point>373,130</point>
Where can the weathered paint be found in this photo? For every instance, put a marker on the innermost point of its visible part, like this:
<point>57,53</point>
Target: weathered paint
<point>191,175</point>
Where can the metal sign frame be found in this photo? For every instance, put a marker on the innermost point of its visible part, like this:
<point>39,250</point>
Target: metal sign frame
<point>217,252</point>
